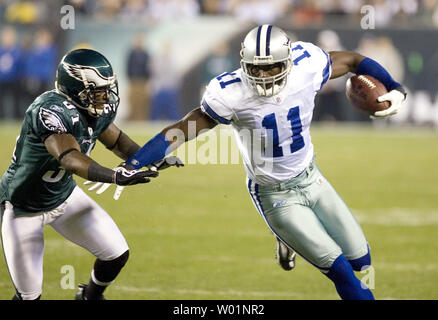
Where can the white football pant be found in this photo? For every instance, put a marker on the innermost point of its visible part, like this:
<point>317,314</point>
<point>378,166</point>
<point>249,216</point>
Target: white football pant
<point>79,219</point>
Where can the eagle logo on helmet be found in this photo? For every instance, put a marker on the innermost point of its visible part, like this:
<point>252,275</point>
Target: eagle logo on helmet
<point>88,75</point>
<point>86,78</point>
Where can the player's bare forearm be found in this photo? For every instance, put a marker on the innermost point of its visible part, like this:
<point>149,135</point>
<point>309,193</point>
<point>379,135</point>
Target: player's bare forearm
<point>344,62</point>
<point>118,142</point>
<point>67,151</point>
<point>195,117</point>
<point>171,138</point>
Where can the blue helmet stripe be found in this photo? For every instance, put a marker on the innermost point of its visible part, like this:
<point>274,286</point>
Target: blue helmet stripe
<point>268,40</point>
<point>259,31</point>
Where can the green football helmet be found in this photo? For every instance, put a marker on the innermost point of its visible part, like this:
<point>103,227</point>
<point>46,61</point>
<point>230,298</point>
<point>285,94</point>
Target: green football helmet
<point>85,77</point>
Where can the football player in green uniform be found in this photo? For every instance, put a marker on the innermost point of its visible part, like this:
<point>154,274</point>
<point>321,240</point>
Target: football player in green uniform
<point>59,130</point>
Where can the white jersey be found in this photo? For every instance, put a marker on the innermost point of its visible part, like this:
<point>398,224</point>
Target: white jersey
<point>272,133</point>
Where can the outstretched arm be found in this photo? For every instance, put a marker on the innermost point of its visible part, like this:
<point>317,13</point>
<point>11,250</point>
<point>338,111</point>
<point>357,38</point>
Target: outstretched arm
<point>201,121</point>
<point>66,150</point>
<point>118,142</point>
<point>153,153</point>
<point>349,61</point>
<point>171,138</point>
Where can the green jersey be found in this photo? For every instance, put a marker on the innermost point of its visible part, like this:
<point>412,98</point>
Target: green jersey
<point>35,181</point>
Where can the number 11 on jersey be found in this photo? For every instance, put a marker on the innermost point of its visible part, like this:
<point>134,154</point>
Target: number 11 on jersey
<point>293,116</point>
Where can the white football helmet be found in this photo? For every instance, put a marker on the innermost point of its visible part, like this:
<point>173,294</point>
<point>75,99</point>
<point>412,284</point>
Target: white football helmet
<point>266,45</point>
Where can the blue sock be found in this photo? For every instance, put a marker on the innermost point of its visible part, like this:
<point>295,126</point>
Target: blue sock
<point>361,263</point>
<point>347,285</point>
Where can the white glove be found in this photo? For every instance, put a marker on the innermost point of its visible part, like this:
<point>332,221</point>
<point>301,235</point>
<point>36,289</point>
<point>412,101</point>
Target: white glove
<point>103,187</point>
<point>395,98</point>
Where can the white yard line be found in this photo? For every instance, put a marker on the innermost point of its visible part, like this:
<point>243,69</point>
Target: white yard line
<point>232,293</point>
<point>418,267</point>
<point>397,217</point>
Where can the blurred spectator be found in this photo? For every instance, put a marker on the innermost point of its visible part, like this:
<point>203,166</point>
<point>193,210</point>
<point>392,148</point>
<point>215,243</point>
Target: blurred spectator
<point>135,10</point>
<point>384,11</point>
<point>107,10</point>
<point>349,6</point>
<point>331,102</point>
<point>303,12</point>
<point>84,7</point>
<point>166,85</point>
<point>259,11</point>
<point>9,73</point>
<point>308,13</point>
<point>39,66</point>
<point>172,9</point>
<point>433,12</point>
<point>383,51</point>
<point>219,61</point>
<point>22,12</point>
<point>215,7</point>
<point>138,69</point>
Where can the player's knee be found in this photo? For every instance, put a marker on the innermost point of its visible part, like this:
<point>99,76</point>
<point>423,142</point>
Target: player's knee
<point>120,261</point>
<point>123,259</point>
<point>361,263</point>
<point>341,270</point>
<point>107,271</point>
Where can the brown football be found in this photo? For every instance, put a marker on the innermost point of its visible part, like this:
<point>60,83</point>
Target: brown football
<point>363,90</point>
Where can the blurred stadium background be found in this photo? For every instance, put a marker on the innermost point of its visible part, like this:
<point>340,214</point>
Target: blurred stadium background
<point>195,234</point>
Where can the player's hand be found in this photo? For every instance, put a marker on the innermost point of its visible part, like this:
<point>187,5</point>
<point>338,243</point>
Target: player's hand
<point>395,98</point>
<point>166,163</point>
<point>128,177</point>
<point>124,175</point>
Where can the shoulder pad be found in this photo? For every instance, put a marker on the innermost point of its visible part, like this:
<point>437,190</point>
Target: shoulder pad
<point>308,55</point>
<point>53,113</point>
<point>51,120</point>
<point>228,88</point>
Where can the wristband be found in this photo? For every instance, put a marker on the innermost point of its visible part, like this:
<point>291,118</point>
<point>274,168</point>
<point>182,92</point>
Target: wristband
<point>154,150</point>
<point>100,174</point>
<point>370,67</point>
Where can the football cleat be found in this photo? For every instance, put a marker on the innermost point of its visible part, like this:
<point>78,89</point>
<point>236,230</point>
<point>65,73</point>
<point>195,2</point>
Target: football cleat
<point>285,256</point>
<point>80,294</point>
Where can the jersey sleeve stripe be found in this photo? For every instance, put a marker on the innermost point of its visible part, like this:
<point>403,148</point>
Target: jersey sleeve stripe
<point>327,70</point>
<point>214,115</point>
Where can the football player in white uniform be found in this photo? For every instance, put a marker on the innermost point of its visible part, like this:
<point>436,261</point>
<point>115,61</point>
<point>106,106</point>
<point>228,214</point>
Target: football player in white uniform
<point>273,94</point>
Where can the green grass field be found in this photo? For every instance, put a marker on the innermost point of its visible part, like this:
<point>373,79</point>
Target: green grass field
<point>195,234</point>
